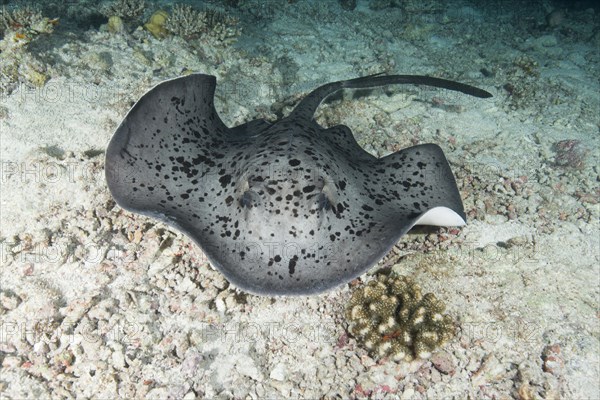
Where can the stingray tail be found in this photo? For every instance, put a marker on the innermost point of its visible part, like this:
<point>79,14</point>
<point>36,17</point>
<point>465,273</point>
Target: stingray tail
<point>308,105</point>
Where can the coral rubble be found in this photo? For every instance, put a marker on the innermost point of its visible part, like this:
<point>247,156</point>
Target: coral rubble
<point>25,22</point>
<point>570,153</point>
<point>391,318</point>
<point>20,26</point>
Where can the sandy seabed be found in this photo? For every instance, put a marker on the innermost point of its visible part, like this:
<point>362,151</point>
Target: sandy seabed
<point>99,302</point>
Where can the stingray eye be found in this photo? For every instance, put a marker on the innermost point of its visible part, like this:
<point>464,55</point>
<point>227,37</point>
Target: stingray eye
<point>323,202</point>
<point>249,199</point>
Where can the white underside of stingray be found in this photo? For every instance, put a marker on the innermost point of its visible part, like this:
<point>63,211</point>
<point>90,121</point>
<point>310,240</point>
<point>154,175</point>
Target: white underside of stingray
<point>441,216</point>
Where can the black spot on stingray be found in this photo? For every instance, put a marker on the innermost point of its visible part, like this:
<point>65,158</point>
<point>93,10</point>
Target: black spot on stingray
<point>292,265</point>
<point>225,180</point>
<point>294,163</point>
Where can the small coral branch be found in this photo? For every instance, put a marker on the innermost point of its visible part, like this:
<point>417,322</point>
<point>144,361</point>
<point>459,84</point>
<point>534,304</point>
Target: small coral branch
<point>187,22</point>
<point>125,9</point>
<point>391,318</point>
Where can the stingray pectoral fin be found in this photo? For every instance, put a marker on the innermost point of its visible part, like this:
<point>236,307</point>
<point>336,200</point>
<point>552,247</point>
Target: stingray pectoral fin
<point>164,139</point>
<point>424,186</point>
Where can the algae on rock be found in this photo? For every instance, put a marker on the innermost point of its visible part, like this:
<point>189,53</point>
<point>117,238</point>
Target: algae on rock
<point>156,24</point>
